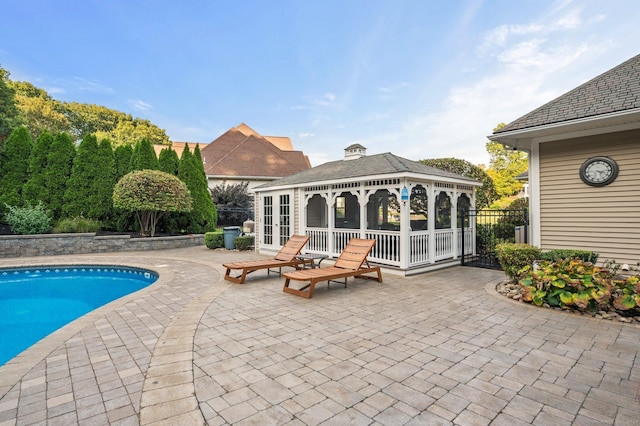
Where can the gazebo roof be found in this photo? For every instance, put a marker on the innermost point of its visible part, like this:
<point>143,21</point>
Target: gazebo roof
<point>371,167</point>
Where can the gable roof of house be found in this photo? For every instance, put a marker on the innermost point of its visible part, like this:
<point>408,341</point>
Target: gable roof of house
<point>282,142</point>
<point>372,166</point>
<point>244,153</point>
<point>614,91</point>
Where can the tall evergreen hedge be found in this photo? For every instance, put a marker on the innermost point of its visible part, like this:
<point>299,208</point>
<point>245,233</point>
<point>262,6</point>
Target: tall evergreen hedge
<point>203,217</point>
<point>58,170</point>
<point>168,161</point>
<point>35,190</point>
<point>103,183</point>
<point>14,164</point>
<point>122,156</point>
<point>79,199</point>
<point>144,157</point>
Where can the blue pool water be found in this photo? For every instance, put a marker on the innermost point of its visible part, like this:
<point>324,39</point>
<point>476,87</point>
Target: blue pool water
<point>35,302</point>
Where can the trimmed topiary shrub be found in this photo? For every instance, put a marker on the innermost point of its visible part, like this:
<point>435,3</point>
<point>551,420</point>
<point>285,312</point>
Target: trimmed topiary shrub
<point>150,194</point>
<point>514,257</point>
<point>28,220</point>
<point>244,242</point>
<point>214,240</point>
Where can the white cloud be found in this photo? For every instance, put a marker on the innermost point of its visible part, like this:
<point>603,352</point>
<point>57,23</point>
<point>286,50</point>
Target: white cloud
<point>304,135</point>
<point>53,90</point>
<point>139,105</point>
<point>326,99</point>
<point>91,86</point>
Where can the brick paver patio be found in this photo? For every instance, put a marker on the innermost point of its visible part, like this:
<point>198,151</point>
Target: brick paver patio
<point>436,348</point>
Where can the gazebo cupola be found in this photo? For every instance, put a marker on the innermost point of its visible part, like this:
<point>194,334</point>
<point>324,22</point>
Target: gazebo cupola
<point>355,151</point>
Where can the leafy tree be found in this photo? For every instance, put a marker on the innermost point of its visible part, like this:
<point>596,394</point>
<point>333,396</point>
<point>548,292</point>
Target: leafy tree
<point>123,155</point>
<point>58,170</point>
<point>35,190</point>
<point>203,217</point>
<point>130,129</point>
<point>151,194</point>
<point>504,165</point>
<point>103,183</point>
<point>14,164</point>
<point>144,156</point>
<point>9,114</point>
<point>89,118</point>
<point>169,161</point>
<point>232,196</point>
<point>38,110</point>
<point>79,198</point>
<point>485,195</point>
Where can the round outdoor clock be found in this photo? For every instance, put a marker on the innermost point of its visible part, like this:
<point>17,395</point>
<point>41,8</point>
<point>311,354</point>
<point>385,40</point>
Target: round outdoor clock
<point>599,171</point>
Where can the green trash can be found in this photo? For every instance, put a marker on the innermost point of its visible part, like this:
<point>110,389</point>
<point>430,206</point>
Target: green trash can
<point>229,233</point>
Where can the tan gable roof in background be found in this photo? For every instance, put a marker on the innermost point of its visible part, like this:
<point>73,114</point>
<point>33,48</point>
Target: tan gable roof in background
<point>241,151</point>
<point>282,142</point>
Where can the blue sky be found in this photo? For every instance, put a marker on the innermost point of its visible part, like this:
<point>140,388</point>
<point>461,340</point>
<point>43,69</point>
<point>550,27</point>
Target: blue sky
<point>418,78</point>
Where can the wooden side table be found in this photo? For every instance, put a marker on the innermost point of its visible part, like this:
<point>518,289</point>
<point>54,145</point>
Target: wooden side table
<point>311,259</point>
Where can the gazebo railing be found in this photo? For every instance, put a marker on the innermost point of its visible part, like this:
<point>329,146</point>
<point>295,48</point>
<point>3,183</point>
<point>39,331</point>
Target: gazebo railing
<point>444,244</point>
<point>419,248</point>
<point>387,248</point>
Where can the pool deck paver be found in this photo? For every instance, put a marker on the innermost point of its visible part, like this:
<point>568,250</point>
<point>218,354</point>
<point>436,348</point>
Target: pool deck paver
<point>435,348</point>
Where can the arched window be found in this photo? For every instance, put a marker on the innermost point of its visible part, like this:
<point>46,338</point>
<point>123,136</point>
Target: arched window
<point>317,212</point>
<point>383,211</point>
<point>347,211</point>
<point>419,208</point>
<point>464,205</point>
<point>443,211</point>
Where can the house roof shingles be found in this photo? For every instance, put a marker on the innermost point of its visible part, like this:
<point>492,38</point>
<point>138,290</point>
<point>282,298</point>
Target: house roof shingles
<point>372,166</point>
<point>616,90</point>
<point>236,153</point>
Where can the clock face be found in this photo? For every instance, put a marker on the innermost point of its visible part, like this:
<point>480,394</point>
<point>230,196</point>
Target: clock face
<point>599,171</point>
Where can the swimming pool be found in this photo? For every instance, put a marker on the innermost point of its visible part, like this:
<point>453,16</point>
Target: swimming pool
<point>36,301</point>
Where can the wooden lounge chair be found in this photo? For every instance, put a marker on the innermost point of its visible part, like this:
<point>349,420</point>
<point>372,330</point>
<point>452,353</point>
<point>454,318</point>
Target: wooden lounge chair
<point>352,262</point>
<point>285,257</point>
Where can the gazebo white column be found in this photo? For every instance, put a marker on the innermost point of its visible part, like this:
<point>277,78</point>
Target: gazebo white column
<point>431,221</point>
<point>405,225</point>
<point>362,200</point>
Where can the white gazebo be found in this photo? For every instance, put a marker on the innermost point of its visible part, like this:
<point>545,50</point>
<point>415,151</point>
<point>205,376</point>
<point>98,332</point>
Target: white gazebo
<point>409,208</point>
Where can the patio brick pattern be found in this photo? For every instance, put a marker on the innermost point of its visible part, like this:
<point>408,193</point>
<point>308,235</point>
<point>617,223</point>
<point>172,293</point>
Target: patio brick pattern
<point>436,348</point>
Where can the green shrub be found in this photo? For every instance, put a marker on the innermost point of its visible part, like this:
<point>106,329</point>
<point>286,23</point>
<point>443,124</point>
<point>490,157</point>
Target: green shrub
<point>626,293</point>
<point>214,240</point>
<point>29,219</point>
<point>567,282</point>
<point>557,254</point>
<point>244,242</point>
<point>77,225</point>
<point>514,257</point>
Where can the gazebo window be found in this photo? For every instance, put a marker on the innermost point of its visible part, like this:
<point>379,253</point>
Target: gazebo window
<point>464,204</point>
<point>419,208</point>
<point>347,211</point>
<point>317,212</point>
<point>383,211</point>
<point>443,211</point>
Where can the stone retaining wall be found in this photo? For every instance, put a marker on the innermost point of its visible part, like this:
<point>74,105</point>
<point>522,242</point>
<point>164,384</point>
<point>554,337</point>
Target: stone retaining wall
<point>57,244</point>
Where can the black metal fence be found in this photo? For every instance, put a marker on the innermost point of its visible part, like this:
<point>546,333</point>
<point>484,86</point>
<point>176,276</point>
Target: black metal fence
<point>493,227</point>
<point>233,216</point>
